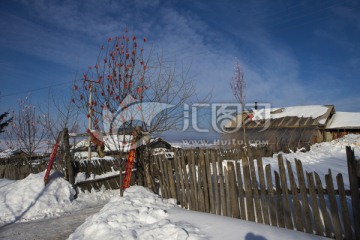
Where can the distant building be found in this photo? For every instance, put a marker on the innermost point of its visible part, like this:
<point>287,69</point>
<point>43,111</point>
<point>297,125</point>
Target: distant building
<point>342,123</point>
<point>119,145</point>
<point>13,153</point>
<point>293,127</point>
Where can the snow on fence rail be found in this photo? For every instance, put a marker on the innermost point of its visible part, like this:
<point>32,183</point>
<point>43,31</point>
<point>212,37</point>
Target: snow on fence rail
<point>241,190</point>
<point>100,173</point>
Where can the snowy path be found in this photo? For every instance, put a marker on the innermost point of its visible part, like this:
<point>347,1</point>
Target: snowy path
<point>51,228</point>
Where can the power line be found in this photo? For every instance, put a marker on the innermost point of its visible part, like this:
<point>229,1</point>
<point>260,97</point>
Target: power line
<point>35,89</point>
<point>165,58</point>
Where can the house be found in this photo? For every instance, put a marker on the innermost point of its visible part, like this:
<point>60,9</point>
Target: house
<point>120,144</point>
<point>13,153</point>
<point>160,146</point>
<point>283,128</point>
<point>342,123</point>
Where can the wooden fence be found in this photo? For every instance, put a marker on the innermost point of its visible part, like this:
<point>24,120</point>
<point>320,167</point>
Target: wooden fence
<point>97,168</point>
<point>21,171</point>
<point>200,180</point>
<point>98,173</point>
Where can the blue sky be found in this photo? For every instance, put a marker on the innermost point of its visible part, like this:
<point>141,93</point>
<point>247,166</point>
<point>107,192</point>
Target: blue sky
<point>292,52</point>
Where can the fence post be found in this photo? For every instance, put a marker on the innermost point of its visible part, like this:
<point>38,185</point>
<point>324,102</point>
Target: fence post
<point>67,157</point>
<point>354,189</point>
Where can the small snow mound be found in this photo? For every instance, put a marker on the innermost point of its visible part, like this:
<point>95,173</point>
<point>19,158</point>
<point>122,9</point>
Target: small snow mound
<point>29,198</point>
<point>139,214</point>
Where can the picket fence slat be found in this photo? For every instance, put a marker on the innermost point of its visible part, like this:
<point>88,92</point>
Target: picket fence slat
<point>324,212</point>
<point>179,193</point>
<point>314,204</point>
<point>304,197</point>
<point>201,182</point>
<point>264,205</point>
<point>168,177</point>
<point>333,205</point>
<point>353,164</point>
<point>193,181</point>
<point>163,177</point>
<point>344,207</point>
<point>248,190</point>
<point>294,193</point>
<point>279,201</point>
<point>216,183</point>
<point>187,180</point>
<point>209,182</point>
<point>285,195</point>
<point>228,192</point>
<point>233,191</point>
<point>222,187</point>
<point>270,187</point>
<point>183,182</point>
<point>205,181</point>
<point>255,191</point>
<point>240,191</point>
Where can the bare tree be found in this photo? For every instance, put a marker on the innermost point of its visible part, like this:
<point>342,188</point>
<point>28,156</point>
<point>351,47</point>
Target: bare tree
<point>60,113</point>
<point>238,86</point>
<point>26,131</point>
<point>117,91</point>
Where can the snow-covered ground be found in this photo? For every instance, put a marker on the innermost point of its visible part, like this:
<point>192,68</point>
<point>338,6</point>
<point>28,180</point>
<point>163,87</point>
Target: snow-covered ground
<point>322,157</point>
<point>140,214</point>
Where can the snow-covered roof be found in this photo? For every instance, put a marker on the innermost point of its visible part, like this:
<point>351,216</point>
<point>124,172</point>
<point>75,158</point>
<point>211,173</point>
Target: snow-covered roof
<point>319,112</point>
<point>345,120</point>
<point>9,152</point>
<point>311,111</point>
<point>112,143</point>
<point>117,143</point>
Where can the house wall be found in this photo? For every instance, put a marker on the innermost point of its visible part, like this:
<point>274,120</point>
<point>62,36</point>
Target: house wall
<point>276,139</point>
<point>332,134</point>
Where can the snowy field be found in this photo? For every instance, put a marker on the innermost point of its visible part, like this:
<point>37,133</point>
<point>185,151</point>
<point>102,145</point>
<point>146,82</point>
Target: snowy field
<point>141,214</point>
